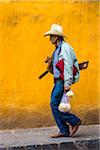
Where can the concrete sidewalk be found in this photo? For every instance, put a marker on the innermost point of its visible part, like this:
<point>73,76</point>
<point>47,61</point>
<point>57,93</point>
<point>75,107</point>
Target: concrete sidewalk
<point>87,138</point>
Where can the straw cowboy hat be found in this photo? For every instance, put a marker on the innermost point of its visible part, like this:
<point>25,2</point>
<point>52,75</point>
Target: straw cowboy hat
<point>55,30</point>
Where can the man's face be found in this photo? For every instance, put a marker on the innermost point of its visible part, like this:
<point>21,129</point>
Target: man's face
<point>53,39</point>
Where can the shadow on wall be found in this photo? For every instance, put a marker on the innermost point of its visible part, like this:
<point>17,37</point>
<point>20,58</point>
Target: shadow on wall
<point>23,118</point>
<point>91,117</point>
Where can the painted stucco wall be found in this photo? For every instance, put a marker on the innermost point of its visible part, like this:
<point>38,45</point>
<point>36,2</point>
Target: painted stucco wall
<point>24,99</point>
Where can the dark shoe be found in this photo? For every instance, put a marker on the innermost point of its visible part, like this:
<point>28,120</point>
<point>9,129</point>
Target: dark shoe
<point>58,135</point>
<point>74,129</point>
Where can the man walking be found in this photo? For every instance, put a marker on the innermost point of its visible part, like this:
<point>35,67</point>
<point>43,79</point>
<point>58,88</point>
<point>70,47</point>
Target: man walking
<point>62,62</point>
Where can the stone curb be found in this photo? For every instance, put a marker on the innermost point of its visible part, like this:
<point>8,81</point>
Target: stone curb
<point>87,138</point>
<point>90,144</point>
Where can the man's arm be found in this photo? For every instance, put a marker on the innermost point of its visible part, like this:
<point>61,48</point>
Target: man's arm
<point>82,66</point>
<point>66,56</point>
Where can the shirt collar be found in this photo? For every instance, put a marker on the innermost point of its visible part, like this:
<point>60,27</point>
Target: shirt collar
<point>59,44</point>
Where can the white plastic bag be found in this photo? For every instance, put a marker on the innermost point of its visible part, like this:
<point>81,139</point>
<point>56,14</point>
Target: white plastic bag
<point>70,93</point>
<point>64,105</point>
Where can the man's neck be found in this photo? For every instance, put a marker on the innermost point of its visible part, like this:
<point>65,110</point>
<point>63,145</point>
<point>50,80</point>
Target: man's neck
<point>57,43</point>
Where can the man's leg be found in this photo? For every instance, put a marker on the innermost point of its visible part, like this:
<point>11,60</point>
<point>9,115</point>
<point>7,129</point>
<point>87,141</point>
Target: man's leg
<point>73,120</point>
<point>55,101</point>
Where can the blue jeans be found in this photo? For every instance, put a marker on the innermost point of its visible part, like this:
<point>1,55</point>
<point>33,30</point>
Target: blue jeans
<point>61,117</point>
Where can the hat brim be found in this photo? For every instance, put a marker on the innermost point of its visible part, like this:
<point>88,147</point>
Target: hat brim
<point>54,33</point>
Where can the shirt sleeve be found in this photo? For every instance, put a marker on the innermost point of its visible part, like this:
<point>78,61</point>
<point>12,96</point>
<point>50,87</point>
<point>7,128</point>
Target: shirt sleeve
<point>67,55</point>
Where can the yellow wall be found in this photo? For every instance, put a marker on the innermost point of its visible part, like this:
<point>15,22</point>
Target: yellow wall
<point>24,99</point>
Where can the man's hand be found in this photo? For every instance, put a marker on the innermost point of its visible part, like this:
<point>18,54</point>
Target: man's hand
<point>66,89</point>
<point>49,67</point>
<point>47,59</point>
